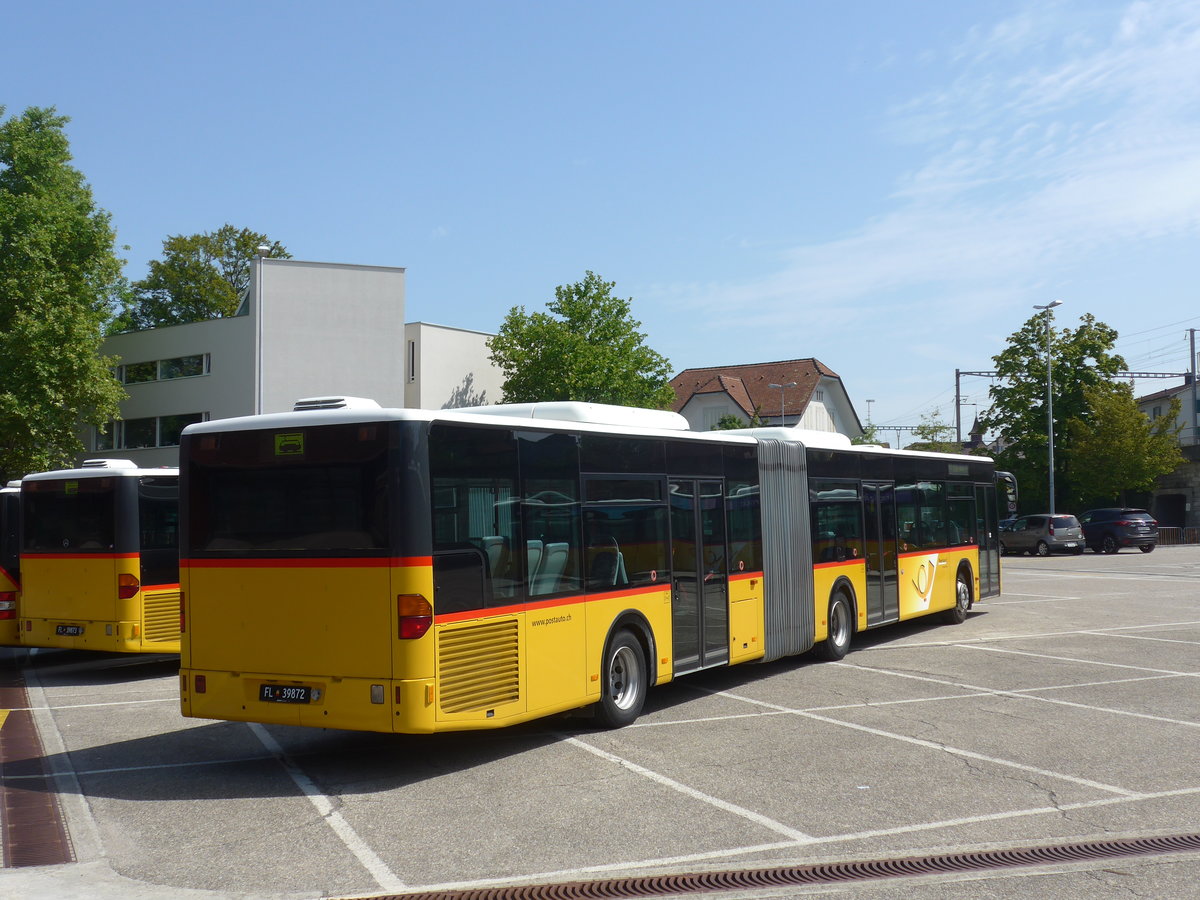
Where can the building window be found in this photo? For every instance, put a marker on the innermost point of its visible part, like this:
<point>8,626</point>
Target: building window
<point>818,395</point>
<point>136,434</point>
<point>164,369</point>
<point>1156,412</point>
<point>412,361</point>
<point>105,436</point>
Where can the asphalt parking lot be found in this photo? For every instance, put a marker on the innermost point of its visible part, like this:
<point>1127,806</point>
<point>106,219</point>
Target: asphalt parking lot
<point>1066,711</point>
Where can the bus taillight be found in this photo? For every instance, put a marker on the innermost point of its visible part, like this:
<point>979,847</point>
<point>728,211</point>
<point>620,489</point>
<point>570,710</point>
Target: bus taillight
<point>8,604</point>
<point>415,615</point>
<point>127,586</point>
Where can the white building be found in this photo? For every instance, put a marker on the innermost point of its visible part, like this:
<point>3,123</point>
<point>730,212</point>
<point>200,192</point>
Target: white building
<point>306,329</point>
<point>804,393</point>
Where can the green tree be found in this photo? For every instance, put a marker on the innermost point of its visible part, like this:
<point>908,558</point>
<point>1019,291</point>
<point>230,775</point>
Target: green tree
<point>1082,358</point>
<point>935,435</point>
<point>870,436</point>
<point>586,347</point>
<point>730,421</point>
<point>1117,449</point>
<point>201,276</point>
<point>59,273</point>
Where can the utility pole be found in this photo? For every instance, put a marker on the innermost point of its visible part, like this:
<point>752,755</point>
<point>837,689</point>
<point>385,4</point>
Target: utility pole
<point>1195,404</point>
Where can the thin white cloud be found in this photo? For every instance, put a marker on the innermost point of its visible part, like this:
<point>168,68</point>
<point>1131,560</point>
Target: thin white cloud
<point>1035,160</point>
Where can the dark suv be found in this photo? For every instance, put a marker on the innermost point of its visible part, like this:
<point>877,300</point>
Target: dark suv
<point>1108,530</point>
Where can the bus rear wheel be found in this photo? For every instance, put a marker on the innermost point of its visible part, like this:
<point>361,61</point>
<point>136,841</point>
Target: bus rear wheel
<point>625,681</point>
<point>841,627</point>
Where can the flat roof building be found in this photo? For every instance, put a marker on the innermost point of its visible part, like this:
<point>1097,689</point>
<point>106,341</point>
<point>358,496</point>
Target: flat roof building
<point>306,329</point>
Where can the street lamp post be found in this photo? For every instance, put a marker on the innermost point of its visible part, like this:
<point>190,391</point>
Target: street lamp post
<point>782,388</point>
<point>1049,397</point>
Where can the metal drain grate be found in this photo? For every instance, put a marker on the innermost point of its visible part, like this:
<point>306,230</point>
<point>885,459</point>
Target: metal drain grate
<point>34,834</point>
<point>829,873</point>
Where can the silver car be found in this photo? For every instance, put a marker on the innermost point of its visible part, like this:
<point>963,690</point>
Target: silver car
<point>1042,535</point>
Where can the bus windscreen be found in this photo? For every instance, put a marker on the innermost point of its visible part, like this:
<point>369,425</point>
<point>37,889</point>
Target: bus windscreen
<point>69,516</point>
<point>329,496</point>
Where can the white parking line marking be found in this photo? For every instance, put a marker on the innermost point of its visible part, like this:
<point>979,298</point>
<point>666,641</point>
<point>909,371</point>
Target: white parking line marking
<point>1022,636</point>
<point>91,705</point>
<point>125,770</point>
<point>1137,637</point>
<point>734,852</point>
<point>999,692</point>
<point>1088,662</point>
<point>934,745</point>
<point>759,819</point>
<point>383,876</point>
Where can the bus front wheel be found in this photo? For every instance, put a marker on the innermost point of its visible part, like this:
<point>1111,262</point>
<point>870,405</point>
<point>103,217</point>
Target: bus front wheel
<point>625,681</point>
<point>957,614</point>
<point>841,626</point>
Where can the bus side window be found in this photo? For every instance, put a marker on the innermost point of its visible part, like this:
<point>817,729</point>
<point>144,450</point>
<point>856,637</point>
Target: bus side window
<point>550,513</point>
<point>475,502</point>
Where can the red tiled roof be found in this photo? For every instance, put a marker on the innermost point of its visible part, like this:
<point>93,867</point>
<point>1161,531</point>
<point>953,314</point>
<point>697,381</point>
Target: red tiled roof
<point>748,386</point>
<point>1176,391</point>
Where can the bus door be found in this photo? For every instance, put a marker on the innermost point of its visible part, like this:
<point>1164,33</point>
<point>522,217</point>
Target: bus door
<point>883,594</point>
<point>699,583</point>
<point>988,539</point>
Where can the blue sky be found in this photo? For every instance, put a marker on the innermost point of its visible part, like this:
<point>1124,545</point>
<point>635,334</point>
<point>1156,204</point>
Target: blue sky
<point>889,187</point>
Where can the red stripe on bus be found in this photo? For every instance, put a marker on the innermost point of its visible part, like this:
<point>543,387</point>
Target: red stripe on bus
<point>358,562</point>
<point>536,605</point>
<point>742,576</point>
<point>160,587</point>
<point>80,555</point>
<point>938,551</point>
<point>844,562</point>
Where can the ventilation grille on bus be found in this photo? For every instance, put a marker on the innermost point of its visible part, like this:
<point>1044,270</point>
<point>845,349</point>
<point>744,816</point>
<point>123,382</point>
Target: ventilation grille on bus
<point>161,615</point>
<point>109,464</point>
<point>310,403</point>
<point>478,667</point>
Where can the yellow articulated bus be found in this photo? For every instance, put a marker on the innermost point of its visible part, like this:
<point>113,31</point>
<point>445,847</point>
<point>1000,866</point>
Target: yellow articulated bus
<point>10,562</point>
<point>100,558</point>
<point>420,571</point>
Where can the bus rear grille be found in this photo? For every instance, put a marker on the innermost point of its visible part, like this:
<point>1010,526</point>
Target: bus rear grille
<point>478,667</point>
<point>161,612</point>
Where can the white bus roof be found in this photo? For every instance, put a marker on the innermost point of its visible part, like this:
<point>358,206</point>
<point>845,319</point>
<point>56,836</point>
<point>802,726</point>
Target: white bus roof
<point>565,415</point>
<point>103,468</point>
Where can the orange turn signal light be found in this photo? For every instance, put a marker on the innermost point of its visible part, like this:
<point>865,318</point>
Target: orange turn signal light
<point>415,615</point>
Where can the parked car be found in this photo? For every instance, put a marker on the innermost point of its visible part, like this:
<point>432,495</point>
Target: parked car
<point>1108,530</point>
<point>1042,535</point>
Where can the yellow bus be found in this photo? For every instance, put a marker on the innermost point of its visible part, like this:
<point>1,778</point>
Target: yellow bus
<point>10,562</point>
<point>420,571</point>
<point>100,558</point>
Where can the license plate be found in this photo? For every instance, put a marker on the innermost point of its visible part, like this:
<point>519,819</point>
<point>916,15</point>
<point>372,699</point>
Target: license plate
<point>285,693</point>
<point>68,630</point>
<point>1070,543</point>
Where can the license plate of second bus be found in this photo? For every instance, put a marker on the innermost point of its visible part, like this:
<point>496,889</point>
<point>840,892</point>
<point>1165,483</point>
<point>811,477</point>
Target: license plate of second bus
<point>68,630</point>
<point>285,693</point>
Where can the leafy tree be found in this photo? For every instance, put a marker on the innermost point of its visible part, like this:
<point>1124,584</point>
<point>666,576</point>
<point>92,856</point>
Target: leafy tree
<point>932,435</point>
<point>730,421</point>
<point>586,347</point>
<point>58,276</point>
<point>201,276</point>
<point>1117,449</point>
<point>870,436</point>
<point>1082,359</point>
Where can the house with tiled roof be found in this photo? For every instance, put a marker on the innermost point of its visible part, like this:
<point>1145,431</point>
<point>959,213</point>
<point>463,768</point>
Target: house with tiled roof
<point>1175,500</point>
<point>803,393</point>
